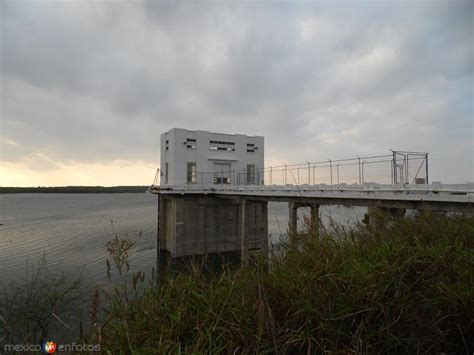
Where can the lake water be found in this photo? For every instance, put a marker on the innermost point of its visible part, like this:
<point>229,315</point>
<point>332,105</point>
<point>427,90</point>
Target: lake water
<point>71,230</point>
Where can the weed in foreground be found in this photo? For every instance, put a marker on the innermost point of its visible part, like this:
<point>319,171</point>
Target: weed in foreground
<point>407,286</point>
<point>44,302</point>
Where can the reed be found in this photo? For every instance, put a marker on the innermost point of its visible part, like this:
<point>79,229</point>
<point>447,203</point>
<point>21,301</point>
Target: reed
<point>405,287</point>
<point>45,301</point>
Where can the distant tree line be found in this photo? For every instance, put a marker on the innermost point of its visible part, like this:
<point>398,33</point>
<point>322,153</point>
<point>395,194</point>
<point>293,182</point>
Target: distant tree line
<point>73,189</point>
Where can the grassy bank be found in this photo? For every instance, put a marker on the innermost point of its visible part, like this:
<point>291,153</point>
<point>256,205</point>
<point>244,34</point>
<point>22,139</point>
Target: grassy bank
<point>407,286</point>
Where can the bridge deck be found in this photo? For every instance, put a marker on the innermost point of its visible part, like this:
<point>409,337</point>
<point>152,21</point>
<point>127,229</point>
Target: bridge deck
<point>456,197</point>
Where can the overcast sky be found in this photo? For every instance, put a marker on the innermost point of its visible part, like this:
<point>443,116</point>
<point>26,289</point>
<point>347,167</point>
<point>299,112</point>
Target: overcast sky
<point>88,86</point>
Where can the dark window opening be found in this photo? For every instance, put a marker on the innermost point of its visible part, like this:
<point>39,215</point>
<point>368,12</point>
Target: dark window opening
<point>191,172</point>
<point>250,174</point>
<point>221,142</point>
<point>226,149</point>
<point>221,180</point>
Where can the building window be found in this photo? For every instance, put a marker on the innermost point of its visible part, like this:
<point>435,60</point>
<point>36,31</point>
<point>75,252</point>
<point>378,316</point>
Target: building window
<point>166,173</point>
<point>251,148</point>
<point>222,173</point>
<point>222,180</point>
<point>221,142</point>
<point>190,143</point>
<point>191,172</point>
<point>222,146</point>
<point>225,149</point>
<point>250,174</point>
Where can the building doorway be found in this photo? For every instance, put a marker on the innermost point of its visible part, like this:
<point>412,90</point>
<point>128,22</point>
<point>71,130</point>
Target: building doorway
<point>221,173</point>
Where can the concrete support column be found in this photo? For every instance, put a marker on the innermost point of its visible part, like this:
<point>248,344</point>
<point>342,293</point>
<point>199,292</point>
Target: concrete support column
<point>163,256</point>
<point>314,219</point>
<point>379,215</point>
<point>243,247</point>
<point>158,241</point>
<point>292,217</point>
<point>375,216</point>
<point>264,227</point>
<point>397,212</point>
<point>222,229</point>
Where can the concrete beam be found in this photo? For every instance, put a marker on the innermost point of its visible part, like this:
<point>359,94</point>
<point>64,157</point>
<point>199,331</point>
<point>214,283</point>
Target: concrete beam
<point>397,204</point>
<point>452,198</point>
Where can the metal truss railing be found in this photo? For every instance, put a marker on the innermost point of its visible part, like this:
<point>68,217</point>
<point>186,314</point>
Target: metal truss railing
<point>395,168</point>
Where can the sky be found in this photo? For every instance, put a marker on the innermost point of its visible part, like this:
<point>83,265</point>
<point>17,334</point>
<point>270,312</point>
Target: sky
<point>88,86</point>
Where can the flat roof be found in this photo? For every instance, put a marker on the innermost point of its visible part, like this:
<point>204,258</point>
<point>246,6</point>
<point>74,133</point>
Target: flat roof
<point>223,134</point>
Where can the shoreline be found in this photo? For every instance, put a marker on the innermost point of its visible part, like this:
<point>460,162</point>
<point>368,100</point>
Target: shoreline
<point>74,189</point>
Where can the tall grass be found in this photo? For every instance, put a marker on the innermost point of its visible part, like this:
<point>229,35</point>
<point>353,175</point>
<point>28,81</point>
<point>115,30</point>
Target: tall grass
<point>41,304</point>
<point>50,303</point>
<point>404,287</point>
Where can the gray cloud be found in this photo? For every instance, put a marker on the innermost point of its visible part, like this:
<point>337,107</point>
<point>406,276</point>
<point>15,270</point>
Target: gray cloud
<point>94,82</point>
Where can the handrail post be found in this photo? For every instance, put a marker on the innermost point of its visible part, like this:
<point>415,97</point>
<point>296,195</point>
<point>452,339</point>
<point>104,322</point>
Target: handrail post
<point>426,164</point>
<point>330,167</point>
<point>360,176</point>
<point>309,173</point>
<point>363,171</point>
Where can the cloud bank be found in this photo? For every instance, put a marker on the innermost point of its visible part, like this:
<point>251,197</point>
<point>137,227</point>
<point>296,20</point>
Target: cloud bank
<point>91,85</point>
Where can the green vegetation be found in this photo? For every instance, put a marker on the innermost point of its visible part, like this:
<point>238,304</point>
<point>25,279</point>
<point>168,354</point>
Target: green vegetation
<point>45,301</point>
<point>406,287</point>
<point>73,189</point>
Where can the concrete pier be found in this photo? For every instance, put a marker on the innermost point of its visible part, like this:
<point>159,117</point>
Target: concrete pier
<point>293,216</point>
<point>221,229</point>
<point>377,216</point>
<point>230,223</point>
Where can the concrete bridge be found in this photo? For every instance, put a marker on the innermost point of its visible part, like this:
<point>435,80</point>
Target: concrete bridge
<point>436,197</point>
<point>213,191</point>
<point>230,221</point>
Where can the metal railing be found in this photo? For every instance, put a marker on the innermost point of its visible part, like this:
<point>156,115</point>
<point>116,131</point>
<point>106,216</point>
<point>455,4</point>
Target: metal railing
<point>385,169</point>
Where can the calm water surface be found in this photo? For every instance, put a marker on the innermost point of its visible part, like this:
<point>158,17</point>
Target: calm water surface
<point>71,230</point>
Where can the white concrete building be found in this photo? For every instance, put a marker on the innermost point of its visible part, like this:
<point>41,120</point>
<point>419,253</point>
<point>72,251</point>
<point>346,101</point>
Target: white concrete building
<point>201,157</point>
